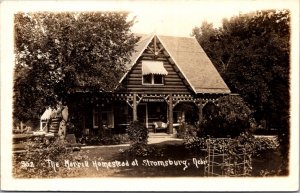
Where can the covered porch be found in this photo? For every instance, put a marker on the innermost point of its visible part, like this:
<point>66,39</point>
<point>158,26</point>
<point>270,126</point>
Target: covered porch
<point>161,113</point>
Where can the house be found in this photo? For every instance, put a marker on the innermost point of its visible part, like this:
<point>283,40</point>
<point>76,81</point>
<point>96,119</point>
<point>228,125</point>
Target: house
<point>169,80</point>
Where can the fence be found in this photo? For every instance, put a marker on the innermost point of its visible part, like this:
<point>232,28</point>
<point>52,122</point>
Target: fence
<point>226,157</point>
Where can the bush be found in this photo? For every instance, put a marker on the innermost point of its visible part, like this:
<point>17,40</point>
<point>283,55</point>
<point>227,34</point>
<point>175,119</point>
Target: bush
<point>231,118</point>
<point>233,151</point>
<point>253,145</point>
<point>110,140</point>
<point>138,136</point>
<point>246,144</point>
<point>185,130</point>
<point>263,144</point>
<point>137,133</point>
<point>194,143</point>
<point>120,139</point>
<point>32,163</point>
<point>181,131</point>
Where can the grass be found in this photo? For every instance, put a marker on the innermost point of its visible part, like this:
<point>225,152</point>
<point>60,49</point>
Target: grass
<point>166,151</point>
<point>171,151</point>
<point>156,164</point>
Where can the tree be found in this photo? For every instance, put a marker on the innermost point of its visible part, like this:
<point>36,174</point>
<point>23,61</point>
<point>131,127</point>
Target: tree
<point>59,53</point>
<point>252,53</point>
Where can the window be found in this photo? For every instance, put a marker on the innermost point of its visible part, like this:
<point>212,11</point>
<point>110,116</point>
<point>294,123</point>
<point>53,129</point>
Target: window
<point>147,79</point>
<point>158,79</point>
<point>153,79</point>
<point>107,118</point>
<point>153,72</point>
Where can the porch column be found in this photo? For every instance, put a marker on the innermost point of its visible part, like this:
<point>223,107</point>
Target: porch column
<point>82,116</point>
<point>200,108</point>
<point>170,114</point>
<point>100,128</point>
<point>134,106</point>
<point>21,125</point>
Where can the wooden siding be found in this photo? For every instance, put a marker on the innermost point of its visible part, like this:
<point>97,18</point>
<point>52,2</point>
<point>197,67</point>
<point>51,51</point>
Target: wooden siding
<point>174,82</point>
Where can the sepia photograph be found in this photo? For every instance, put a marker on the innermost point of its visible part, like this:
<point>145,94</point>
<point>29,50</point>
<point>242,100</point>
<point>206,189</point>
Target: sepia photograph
<point>150,95</point>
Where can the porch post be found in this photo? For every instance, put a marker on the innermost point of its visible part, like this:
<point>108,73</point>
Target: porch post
<point>170,114</point>
<point>83,122</point>
<point>200,107</point>
<point>134,107</point>
<point>100,128</point>
<point>21,125</point>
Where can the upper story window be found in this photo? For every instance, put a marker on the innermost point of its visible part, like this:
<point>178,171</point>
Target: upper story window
<point>153,72</point>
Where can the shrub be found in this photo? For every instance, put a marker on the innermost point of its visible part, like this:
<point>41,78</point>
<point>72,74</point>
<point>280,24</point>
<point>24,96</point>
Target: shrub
<point>181,131</point>
<point>185,130</point>
<point>253,145</point>
<point>233,155</point>
<point>32,164</point>
<point>137,133</point>
<point>138,136</point>
<point>194,143</point>
<point>120,139</point>
<point>108,140</point>
<point>231,118</point>
<point>263,144</point>
<point>245,144</point>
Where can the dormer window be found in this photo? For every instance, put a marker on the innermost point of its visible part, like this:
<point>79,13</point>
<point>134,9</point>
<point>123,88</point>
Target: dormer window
<point>147,79</point>
<point>153,72</point>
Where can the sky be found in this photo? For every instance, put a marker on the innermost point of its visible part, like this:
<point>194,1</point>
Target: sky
<point>180,18</point>
<point>176,18</point>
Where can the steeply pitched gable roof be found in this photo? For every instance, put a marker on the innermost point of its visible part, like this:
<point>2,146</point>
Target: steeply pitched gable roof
<point>141,45</point>
<point>195,65</point>
<point>190,59</point>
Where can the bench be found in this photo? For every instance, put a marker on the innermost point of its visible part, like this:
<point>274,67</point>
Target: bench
<point>160,126</point>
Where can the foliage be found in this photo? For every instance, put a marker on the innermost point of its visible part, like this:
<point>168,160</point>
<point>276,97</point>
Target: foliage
<point>181,131</point>
<point>195,144</point>
<point>138,136</point>
<point>186,129</point>
<point>267,173</point>
<point>106,140</point>
<point>252,53</point>
<point>230,118</point>
<point>58,53</point>
<point>234,154</point>
<point>32,163</point>
<point>141,150</point>
<point>253,145</point>
<point>120,138</point>
<point>137,133</point>
<point>236,150</point>
<point>263,144</point>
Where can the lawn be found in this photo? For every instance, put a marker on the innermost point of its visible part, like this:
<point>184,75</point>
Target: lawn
<point>166,159</point>
<point>170,159</point>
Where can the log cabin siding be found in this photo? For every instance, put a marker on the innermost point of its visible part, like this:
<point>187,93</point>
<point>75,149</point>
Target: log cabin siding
<point>173,82</point>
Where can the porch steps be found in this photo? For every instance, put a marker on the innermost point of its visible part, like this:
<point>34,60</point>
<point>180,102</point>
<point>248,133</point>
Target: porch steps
<point>155,138</point>
<point>161,135</point>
